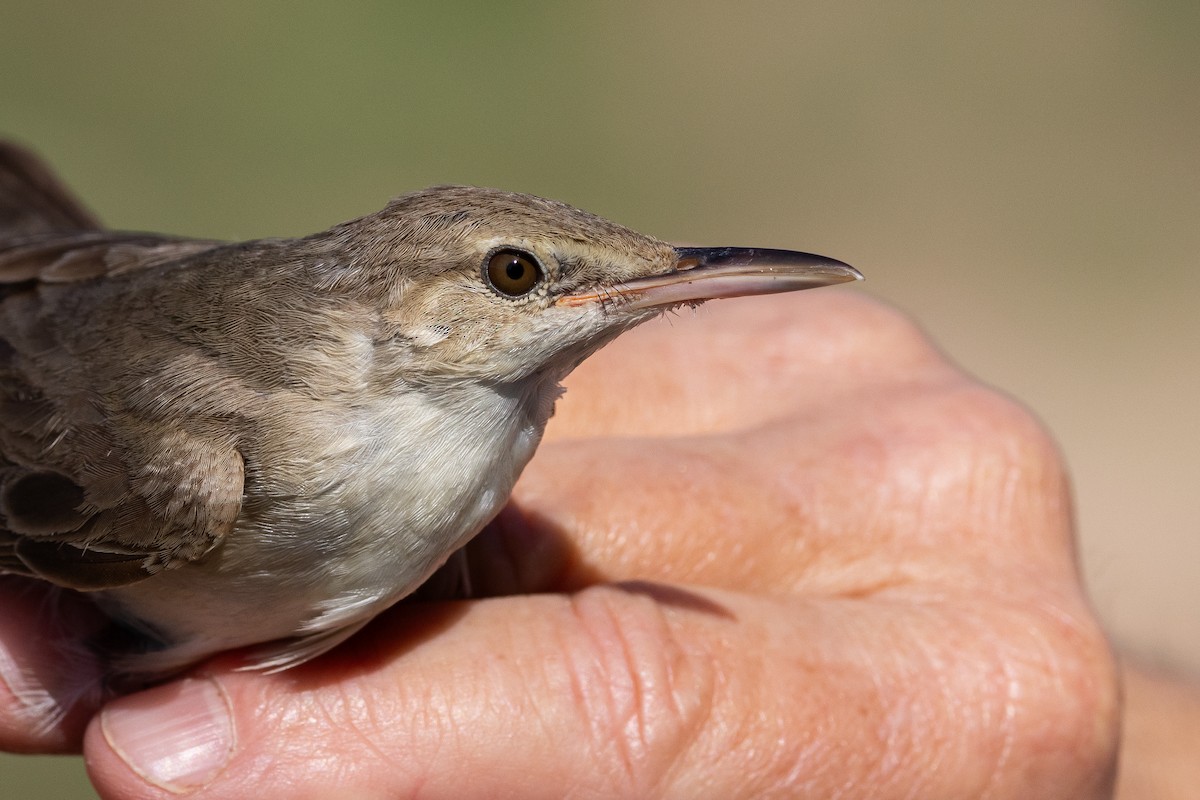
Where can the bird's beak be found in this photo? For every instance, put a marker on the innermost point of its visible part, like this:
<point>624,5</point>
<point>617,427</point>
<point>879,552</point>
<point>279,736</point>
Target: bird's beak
<point>709,273</point>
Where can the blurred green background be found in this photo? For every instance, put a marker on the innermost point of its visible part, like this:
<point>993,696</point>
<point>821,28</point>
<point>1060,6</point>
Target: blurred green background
<point>1024,178</point>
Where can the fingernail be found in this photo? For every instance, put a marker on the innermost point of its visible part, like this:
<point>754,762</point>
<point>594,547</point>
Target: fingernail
<point>178,737</point>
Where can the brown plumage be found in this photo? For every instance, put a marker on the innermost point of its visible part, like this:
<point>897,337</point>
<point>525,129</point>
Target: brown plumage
<point>267,443</point>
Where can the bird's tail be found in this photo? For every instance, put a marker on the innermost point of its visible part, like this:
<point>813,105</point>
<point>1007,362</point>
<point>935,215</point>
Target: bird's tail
<point>33,200</point>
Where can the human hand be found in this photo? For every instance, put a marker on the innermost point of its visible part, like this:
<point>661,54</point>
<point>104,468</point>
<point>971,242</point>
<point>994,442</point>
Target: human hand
<point>845,569</point>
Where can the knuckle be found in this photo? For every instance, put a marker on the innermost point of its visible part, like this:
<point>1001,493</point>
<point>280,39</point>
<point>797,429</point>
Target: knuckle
<point>645,697</point>
<point>961,473</point>
<point>988,465</point>
<point>882,338</point>
<point>995,428</point>
<point>1056,677</point>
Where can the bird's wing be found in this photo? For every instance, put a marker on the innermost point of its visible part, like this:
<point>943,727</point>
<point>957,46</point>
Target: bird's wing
<point>33,200</point>
<point>62,524</point>
<point>69,256</point>
<point>47,235</point>
<point>87,499</point>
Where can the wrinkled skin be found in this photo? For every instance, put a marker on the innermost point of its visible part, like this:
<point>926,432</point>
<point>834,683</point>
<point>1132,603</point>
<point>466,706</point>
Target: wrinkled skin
<point>777,547</point>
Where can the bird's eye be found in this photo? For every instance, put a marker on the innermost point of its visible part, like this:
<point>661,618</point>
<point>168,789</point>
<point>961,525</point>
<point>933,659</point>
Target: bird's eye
<point>513,273</point>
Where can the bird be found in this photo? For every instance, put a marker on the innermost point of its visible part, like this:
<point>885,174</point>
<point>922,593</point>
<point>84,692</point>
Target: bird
<point>261,445</point>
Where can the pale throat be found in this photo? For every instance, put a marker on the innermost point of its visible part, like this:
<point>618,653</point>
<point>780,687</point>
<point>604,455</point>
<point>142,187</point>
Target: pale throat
<point>443,463</point>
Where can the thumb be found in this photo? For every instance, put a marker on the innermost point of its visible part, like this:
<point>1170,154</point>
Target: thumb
<point>518,696</point>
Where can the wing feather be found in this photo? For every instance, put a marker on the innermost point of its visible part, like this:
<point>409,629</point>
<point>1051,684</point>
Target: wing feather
<point>33,200</point>
<point>89,500</point>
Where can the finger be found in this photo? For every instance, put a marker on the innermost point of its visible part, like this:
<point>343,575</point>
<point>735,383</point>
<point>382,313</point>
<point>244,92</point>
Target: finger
<point>50,682</point>
<point>643,691</point>
<point>731,366</point>
<point>936,485</point>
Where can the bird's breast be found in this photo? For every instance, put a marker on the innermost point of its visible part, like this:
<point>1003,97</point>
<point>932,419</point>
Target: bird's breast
<point>352,510</point>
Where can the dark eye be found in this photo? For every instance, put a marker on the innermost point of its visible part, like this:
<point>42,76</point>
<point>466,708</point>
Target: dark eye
<point>512,273</point>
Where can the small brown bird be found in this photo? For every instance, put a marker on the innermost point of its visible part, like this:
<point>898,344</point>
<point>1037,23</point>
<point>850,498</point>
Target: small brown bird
<point>268,443</point>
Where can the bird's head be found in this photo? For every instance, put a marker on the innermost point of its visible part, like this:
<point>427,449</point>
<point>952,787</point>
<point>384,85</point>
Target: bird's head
<point>496,286</point>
